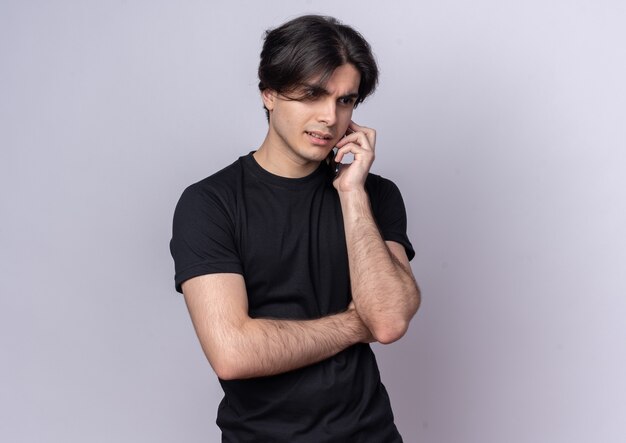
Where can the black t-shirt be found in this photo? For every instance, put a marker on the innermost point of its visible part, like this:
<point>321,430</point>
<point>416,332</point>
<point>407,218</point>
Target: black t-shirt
<point>286,237</point>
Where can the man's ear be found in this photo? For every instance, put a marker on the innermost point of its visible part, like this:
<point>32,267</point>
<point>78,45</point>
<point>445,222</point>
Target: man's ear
<point>269,98</point>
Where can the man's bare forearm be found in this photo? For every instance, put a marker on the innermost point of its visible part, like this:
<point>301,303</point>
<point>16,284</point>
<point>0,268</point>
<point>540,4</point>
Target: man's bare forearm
<point>383,289</point>
<point>238,346</point>
<point>262,347</point>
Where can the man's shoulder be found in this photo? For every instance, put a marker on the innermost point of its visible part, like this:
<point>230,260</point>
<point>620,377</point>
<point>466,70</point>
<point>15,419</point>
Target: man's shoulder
<point>222,179</point>
<point>379,186</point>
<point>223,182</point>
<point>217,190</point>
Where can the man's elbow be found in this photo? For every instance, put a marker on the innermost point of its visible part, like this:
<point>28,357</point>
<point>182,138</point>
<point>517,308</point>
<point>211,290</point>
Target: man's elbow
<point>226,372</point>
<point>390,332</point>
<point>227,366</point>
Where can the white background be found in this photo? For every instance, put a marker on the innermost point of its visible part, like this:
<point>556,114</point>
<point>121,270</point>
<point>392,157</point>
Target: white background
<point>503,123</point>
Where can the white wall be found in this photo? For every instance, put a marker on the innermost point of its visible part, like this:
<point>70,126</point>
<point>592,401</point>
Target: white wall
<point>502,123</point>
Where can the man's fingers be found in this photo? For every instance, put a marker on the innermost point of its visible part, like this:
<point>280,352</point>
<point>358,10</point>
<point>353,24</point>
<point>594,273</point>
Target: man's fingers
<point>369,132</point>
<point>359,138</point>
<point>352,148</point>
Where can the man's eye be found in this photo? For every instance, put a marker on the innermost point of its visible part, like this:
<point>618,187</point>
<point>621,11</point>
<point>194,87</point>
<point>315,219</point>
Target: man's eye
<point>346,101</point>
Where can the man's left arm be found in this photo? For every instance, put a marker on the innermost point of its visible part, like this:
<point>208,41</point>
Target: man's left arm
<point>384,290</point>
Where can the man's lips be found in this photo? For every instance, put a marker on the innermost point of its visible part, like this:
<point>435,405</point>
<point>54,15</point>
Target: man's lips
<point>317,138</point>
<point>320,135</point>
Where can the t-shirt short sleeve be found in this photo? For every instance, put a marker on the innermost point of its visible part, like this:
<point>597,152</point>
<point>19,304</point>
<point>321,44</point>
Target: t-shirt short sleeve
<point>389,211</point>
<point>203,235</point>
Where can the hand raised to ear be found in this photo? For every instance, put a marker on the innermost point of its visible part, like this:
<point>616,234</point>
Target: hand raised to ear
<point>360,142</point>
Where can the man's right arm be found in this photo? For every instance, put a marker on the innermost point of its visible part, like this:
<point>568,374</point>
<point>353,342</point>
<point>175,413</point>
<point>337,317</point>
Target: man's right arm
<point>238,346</point>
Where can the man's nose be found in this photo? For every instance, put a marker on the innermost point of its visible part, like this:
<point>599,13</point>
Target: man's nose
<point>327,112</point>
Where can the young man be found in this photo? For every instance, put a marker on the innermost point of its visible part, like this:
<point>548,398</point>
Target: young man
<point>290,266</point>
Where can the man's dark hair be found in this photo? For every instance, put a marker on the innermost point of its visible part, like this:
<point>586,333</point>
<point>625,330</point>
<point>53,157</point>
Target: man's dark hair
<point>310,46</point>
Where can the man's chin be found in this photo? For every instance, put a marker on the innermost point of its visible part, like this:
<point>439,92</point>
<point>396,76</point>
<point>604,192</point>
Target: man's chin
<point>317,154</point>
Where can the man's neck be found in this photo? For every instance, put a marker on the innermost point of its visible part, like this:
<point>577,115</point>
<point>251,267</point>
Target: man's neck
<point>282,162</point>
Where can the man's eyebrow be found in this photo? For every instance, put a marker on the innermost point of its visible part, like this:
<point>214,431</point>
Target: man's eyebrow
<point>316,89</point>
<point>319,90</point>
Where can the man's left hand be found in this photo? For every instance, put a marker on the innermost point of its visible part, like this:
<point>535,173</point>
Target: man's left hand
<point>360,142</point>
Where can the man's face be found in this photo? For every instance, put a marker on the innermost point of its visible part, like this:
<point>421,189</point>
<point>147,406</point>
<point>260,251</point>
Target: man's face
<point>306,130</point>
